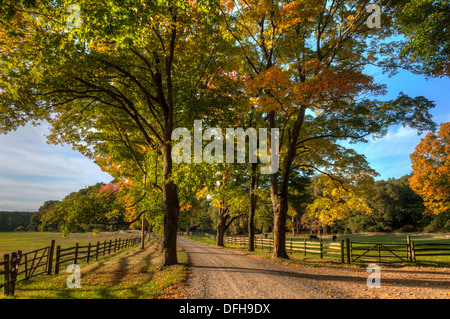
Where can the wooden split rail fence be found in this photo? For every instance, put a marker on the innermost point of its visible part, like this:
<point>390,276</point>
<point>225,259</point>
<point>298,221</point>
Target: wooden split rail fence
<point>18,266</point>
<point>348,251</point>
<point>335,249</point>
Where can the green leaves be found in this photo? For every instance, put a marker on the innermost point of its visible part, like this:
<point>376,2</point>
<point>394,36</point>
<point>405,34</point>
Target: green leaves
<point>424,24</point>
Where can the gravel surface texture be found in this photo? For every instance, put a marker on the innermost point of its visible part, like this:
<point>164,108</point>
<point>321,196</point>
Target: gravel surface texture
<point>222,273</point>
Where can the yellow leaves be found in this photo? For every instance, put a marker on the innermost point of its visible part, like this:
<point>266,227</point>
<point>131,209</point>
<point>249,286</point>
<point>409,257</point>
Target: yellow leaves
<point>333,202</point>
<point>431,168</point>
<point>203,193</point>
<point>298,12</point>
<point>99,47</point>
<point>271,88</point>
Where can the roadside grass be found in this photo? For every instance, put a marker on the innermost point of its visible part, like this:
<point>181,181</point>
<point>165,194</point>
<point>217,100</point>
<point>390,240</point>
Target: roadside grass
<point>130,274</point>
<point>28,241</point>
<point>295,258</point>
<point>314,260</point>
<point>425,261</point>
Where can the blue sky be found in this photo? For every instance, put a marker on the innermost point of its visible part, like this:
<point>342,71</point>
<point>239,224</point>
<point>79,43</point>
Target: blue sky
<point>32,171</point>
<point>389,156</point>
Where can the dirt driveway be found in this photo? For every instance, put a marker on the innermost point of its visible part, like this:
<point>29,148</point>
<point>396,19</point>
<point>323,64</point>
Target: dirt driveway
<point>221,273</point>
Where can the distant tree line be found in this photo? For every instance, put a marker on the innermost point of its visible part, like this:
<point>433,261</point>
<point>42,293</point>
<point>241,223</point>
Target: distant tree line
<point>93,208</point>
<point>12,221</point>
<point>391,206</point>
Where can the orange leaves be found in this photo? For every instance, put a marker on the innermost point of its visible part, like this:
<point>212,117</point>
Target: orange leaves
<point>275,83</point>
<point>275,90</point>
<point>186,207</point>
<point>431,170</point>
<point>298,12</point>
<point>332,83</point>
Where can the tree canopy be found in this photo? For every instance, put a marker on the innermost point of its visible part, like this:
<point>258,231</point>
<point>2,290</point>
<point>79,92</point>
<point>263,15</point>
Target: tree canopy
<point>431,170</point>
<point>115,79</point>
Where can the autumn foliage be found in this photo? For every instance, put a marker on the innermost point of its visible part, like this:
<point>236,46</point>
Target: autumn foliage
<point>431,170</point>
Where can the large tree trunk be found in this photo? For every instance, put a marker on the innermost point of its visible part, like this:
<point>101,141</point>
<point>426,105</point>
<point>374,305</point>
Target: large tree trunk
<point>279,187</point>
<point>221,225</point>
<point>252,208</point>
<point>279,227</point>
<point>170,193</point>
<point>171,210</point>
<point>220,234</point>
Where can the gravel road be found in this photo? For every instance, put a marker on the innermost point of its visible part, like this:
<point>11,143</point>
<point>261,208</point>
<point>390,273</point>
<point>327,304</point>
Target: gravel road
<point>222,273</point>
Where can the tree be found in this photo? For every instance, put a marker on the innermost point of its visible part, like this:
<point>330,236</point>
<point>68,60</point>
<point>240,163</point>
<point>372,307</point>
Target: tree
<point>36,218</point>
<point>431,170</point>
<point>402,207</point>
<point>424,24</point>
<point>226,189</point>
<point>92,208</point>
<point>112,71</point>
<point>305,68</point>
<point>333,202</point>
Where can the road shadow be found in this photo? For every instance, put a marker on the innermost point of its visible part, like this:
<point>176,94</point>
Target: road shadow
<point>409,282</point>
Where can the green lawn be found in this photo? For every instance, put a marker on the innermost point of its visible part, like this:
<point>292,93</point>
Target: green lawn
<point>130,274</point>
<point>28,241</point>
<point>371,240</point>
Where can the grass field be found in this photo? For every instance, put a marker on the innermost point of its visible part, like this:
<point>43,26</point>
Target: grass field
<point>132,273</point>
<point>371,240</point>
<point>28,241</point>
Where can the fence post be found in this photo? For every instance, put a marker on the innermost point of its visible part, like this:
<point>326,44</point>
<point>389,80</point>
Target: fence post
<point>88,253</point>
<point>14,264</point>
<point>348,250</point>
<point>304,247</point>
<point>96,251</point>
<point>58,258</point>
<point>408,248</point>
<point>413,253</point>
<point>6,275</point>
<point>50,257</point>
<point>104,248</point>
<point>321,249</point>
<point>342,252</point>
<point>109,248</point>
<point>76,254</point>
<point>290,244</point>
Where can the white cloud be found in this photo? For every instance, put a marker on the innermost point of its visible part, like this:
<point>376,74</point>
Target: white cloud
<point>389,155</point>
<point>32,171</point>
<point>396,142</point>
